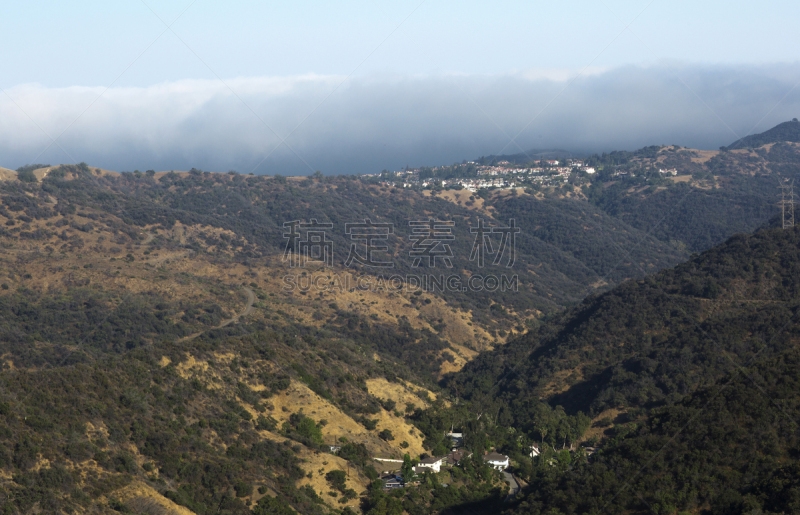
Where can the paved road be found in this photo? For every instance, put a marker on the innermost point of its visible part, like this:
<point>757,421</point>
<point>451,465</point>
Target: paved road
<point>513,485</point>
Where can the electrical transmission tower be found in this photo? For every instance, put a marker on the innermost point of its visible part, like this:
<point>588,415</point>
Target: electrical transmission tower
<point>787,203</point>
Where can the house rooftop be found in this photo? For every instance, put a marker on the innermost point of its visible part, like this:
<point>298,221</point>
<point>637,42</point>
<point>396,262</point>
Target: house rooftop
<point>431,459</point>
<point>494,456</point>
<point>456,456</point>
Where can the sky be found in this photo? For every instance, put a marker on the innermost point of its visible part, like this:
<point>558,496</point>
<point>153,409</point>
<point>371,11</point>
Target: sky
<point>357,87</point>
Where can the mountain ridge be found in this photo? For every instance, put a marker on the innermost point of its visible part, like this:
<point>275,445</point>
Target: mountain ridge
<point>786,131</point>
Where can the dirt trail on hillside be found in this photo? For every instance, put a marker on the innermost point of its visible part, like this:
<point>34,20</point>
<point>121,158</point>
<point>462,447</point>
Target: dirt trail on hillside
<point>251,299</point>
<point>169,257</point>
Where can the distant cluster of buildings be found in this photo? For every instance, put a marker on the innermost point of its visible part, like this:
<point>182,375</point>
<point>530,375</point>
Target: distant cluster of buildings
<point>455,457</point>
<point>435,464</point>
<point>501,175</point>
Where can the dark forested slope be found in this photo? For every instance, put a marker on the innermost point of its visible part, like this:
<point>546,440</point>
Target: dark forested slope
<point>786,131</point>
<point>653,341</point>
<point>729,448</point>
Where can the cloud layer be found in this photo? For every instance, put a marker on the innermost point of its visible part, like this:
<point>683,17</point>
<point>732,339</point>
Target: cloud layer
<point>365,124</point>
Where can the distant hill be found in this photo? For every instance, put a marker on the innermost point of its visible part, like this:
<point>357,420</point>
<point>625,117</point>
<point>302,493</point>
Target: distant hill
<point>786,131</point>
<point>533,154</point>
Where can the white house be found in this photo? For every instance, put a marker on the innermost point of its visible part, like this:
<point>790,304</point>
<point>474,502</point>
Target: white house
<point>496,460</point>
<point>434,463</point>
<point>588,169</point>
<point>534,451</point>
<point>392,481</point>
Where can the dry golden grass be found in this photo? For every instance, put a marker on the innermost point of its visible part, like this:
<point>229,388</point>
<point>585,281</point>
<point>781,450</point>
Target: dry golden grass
<point>98,261</point>
<point>383,306</point>
<point>7,175</point>
<point>41,173</point>
<point>298,398</point>
<point>509,192</point>
<point>462,356</point>
<point>461,197</point>
<point>703,155</point>
<point>162,270</point>
<point>159,175</point>
<point>139,493</point>
<point>558,382</point>
<point>402,394</point>
<point>611,413</point>
<point>319,463</point>
<point>211,377</point>
<point>190,367</point>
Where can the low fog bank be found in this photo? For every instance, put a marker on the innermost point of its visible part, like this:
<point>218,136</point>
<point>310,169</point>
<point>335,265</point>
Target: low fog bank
<point>296,125</point>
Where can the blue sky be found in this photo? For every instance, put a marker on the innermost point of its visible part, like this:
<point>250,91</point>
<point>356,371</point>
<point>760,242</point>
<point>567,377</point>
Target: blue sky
<point>58,43</point>
<point>230,83</point>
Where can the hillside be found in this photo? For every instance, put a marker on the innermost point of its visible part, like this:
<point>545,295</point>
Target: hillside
<point>690,380</point>
<point>239,220</point>
<point>690,377</point>
<point>687,198</point>
<point>713,196</point>
<point>651,342</point>
<point>145,366</point>
<point>153,358</point>
<point>160,353</point>
<point>786,131</point>
<point>727,448</point>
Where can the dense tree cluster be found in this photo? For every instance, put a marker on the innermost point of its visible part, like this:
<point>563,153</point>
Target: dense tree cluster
<point>728,448</point>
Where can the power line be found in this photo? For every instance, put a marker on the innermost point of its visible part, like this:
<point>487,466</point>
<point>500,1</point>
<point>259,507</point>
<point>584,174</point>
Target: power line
<point>787,203</point>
